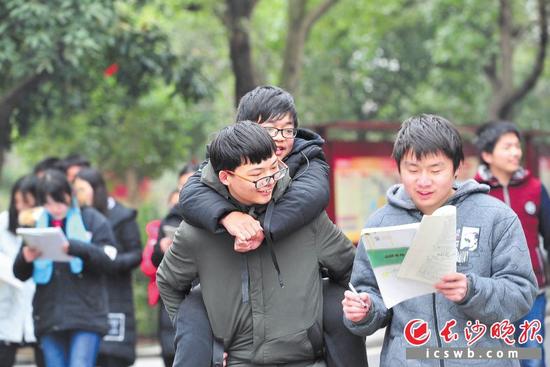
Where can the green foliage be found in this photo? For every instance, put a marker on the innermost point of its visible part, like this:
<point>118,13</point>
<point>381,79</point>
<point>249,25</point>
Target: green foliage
<point>404,57</point>
<point>53,37</point>
<point>135,105</point>
<point>149,134</point>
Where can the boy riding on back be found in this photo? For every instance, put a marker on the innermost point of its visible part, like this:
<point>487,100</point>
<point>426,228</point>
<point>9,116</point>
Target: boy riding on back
<point>305,198</point>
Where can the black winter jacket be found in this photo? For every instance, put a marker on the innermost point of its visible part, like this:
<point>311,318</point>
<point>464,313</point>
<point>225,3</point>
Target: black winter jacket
<point>305,198</point>
<point>74,301</point>
<point>121,339</point>
<point>165,329</point>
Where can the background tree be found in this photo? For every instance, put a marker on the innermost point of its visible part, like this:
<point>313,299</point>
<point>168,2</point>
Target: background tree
<point>135,120</point>
<point>505,94</point>
<point>45,44</point>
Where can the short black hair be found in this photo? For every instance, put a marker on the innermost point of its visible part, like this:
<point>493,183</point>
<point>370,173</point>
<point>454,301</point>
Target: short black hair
<point>240,143</point>
<point>53,183</point>
<point>188,168</point>
<point>48,163</point>
<point>96,181</point>
<point>25,185</point>
<point>266,103</point>
<point>75,160</point>
<point>489,133</point>
<point>428,134</point>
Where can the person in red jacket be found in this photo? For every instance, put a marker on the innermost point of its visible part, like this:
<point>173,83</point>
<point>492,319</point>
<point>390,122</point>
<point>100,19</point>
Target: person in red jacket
<point>499,145</point>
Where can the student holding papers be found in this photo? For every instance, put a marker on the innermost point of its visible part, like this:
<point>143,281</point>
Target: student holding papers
<point>70,303</point>
<point>494,279</point>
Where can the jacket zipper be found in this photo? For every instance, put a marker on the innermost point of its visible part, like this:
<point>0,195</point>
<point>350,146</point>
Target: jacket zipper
<point>441,362</point>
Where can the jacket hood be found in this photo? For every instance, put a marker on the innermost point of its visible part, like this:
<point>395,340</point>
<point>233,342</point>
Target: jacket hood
<point>307,146</point>
<point>306,138</point>
<point>210,178</point>
<point>118,213</point>
<point>398,197</point>
<point>485,176</point>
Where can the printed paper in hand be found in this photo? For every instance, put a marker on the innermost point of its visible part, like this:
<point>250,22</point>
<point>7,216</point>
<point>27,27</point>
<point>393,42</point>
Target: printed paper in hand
<point>49,241</point>
<point>433,251</point>
<point>409,259</point>
<point>386,248</point>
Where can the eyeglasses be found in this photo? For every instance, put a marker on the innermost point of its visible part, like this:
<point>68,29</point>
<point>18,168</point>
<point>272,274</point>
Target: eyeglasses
<point>287,133</point>
<point>264,181</point>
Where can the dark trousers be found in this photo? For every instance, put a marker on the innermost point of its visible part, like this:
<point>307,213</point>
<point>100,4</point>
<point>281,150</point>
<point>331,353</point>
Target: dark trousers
<point>111,361</point>
<point>7,354</point>
<point>194,340</point>
<point>166,336</point>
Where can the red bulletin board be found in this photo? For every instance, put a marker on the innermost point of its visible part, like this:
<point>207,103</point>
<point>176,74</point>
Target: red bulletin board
<point>361,173</point>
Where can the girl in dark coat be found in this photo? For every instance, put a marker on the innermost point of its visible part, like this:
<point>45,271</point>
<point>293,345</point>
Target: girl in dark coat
<point>70,303</point>
<point>117,349</point>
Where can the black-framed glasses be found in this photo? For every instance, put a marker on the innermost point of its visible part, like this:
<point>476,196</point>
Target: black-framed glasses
<point>264,181</point>
<point>287,133</point>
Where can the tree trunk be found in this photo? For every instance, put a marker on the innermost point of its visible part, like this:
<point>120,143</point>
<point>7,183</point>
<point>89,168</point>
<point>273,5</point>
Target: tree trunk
<point>8,103</point>
<point>132,184</point>
<point>2,157</point>
<point>505,96</point>
<point>236,19</point>
<point>300,23</point>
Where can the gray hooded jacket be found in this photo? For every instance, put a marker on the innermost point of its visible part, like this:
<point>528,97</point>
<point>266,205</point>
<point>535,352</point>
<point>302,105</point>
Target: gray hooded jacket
<point>501,282</point>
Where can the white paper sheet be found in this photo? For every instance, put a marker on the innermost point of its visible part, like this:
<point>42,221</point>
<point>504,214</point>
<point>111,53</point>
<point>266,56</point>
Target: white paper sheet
<point>433,252</point>
<point>48,240</point>
<point>408,260</point>
<point>386,248</point>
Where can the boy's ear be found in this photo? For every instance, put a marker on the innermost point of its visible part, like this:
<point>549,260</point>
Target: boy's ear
<point>487,157</point>
<point>224,177</point>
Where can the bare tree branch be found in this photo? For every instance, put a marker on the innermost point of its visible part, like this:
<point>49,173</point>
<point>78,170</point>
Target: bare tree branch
<point>490,70</point>
<point>314,15</point>
<point>531,80</point>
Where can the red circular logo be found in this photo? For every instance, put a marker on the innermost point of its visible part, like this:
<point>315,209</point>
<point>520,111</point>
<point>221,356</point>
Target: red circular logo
<point>417,332</point>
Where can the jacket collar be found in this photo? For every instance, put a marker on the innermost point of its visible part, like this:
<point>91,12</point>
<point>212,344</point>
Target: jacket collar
<point>485,175</point>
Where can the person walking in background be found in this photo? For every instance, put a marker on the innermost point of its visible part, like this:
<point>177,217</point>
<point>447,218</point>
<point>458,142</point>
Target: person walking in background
<point>72,164</point>
<point>164,240</point>
<point>16,324</point>
<point>118,347</point>
<point>499,146</point>
<point>70,304</point>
